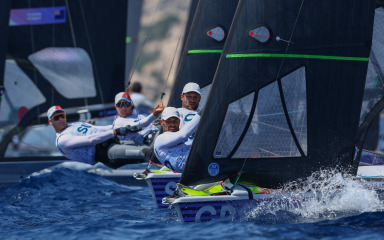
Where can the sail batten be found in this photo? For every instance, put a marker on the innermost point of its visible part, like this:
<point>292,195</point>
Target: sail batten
<point>297,56</point>
<point>205,51</point>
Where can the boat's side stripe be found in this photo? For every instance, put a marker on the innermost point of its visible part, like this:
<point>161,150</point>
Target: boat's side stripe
<point>296,56</point>
<point>205,51</point>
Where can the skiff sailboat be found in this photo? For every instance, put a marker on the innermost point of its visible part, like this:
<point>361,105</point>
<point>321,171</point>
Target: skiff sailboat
<point>285,101</point>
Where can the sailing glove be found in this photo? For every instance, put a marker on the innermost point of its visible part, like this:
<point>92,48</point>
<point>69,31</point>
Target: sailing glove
<point>121,131</point>
<point>133,128</point>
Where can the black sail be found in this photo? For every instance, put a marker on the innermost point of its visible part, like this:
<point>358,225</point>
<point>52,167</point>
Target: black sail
<point>98,27</point>
<point>4,20</point>
<point>287,94</point>
<point>203,48</point>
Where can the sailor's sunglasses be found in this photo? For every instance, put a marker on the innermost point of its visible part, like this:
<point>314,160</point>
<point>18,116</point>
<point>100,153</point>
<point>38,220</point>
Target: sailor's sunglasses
<point>58,116</point>
<point>123,104</point>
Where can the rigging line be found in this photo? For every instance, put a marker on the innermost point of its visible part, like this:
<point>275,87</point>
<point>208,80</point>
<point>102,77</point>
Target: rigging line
<point>74,37</point>
<point>70,24</point>
<point>174,55</point>
<point>290,38</point>
<point>265,150</point>
<point>34,69</point>
<point>272,126</point>
<point>97,79</point>
<point>376,66</point>
<point>239,174</point>
<point>142,47</point>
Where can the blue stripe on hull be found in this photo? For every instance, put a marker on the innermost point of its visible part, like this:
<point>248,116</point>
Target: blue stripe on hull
<point>207,211</point>
<point>161,189</point>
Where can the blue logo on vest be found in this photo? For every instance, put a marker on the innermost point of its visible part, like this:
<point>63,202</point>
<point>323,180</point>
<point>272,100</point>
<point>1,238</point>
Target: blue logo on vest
<point>189,117</point>
<point>213,169</point>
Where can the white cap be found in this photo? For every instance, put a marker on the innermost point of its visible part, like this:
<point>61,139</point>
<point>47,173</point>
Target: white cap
<point>123,95</point>
<point>170,112</point>
<point>54,109</point>
<point>191,87</point>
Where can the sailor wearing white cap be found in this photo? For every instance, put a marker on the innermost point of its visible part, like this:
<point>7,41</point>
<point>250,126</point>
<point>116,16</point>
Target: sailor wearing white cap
<point>172,147</point>
<point>190,99</point>
<point>125,117</point>
<point>81,141</point>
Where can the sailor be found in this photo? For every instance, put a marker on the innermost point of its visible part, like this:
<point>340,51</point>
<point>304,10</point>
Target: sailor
<point>142,104</point>
<point>126,116</point>
<point>172,147</point>
<point>84,142</point>
<point>190,99</point>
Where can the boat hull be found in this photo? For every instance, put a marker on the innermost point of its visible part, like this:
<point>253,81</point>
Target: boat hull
<point>162,185</point>
<point>372,176</point>
<point>232,207</point>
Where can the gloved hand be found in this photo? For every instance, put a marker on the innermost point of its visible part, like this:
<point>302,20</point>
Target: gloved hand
<point>121,131</point>
<point>133,128</point>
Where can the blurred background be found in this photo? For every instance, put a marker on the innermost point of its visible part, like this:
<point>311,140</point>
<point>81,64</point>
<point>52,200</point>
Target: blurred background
<point>157,44</point>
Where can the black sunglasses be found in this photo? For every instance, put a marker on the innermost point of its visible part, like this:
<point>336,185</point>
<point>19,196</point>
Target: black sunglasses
<point>123,104</point>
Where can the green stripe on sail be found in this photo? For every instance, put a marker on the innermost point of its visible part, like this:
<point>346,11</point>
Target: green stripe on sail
<point>296,56</point>
<point>204,51</point>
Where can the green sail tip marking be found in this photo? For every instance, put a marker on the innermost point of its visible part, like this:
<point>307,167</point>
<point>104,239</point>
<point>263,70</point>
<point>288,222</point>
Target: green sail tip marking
<point>128,39</point>
<point>205,51</point>
<point>296,56</point>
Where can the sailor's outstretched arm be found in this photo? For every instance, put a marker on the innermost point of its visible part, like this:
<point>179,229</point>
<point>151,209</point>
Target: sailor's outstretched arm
<point>104,128</point>
<point>173,138</point>
<point>68,141</point>
<point>144,122</point>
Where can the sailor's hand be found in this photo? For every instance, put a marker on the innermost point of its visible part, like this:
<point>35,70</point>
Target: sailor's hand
<point>121,131</point>
<point>133,128</point>
<point>158,109</point>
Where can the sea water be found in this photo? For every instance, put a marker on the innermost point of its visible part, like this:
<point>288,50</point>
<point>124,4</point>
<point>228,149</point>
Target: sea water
<point>71,203</point>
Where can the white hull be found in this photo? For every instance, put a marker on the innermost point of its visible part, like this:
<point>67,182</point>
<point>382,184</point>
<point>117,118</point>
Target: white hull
<point>207,208</point>
<point>202,209</point>
<point>373,176</point>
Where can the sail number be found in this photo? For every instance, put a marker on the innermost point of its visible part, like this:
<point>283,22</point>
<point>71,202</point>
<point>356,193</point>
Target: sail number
<point>225,212</point>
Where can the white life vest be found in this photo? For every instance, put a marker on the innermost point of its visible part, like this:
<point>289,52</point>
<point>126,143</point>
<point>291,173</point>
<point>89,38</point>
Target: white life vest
<point>80,154</point>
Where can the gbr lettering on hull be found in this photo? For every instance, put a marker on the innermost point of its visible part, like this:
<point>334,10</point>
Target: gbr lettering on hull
<point>225,212</point>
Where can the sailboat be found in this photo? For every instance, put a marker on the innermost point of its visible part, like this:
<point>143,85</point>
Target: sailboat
<point>68,53</point>
<point>199,60</point>
<point>369,148</point>
<point>285,101</point>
